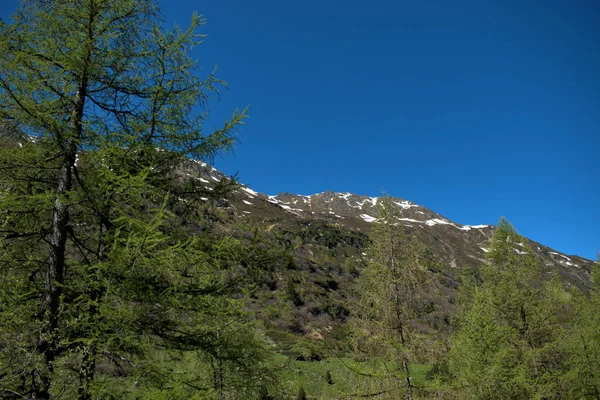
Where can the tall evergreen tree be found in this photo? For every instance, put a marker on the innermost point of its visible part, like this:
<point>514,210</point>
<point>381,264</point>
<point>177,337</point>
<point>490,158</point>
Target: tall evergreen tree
<point>388,298</point>
<point>583,344</point>
<point>107,103</point>
<point>505,343</point>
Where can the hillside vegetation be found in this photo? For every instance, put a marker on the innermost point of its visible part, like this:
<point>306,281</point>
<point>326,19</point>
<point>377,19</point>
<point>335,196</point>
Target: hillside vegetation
<point>130,268</point>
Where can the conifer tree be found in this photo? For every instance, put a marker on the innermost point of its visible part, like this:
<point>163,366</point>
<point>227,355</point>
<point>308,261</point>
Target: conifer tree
<point>388,298</point>
<point>106,103</point>
<point>506,340</point>
<point>583,344</point>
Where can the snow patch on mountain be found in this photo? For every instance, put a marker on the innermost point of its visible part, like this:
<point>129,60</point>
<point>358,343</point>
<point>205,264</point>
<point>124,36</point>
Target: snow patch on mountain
<point>249,191</point>
<point>410,220</point>
<point>405,204</point>
<point>368,218</point>
<point>437,221</point>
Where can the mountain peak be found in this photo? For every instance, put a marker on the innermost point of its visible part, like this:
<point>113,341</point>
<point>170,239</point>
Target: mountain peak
<point>452,243</point>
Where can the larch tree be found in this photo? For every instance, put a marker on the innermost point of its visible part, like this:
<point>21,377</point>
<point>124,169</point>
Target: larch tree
<point>388,295</point>
<point>582,344</point>
<point>99,104</point>
<point>510,319</point>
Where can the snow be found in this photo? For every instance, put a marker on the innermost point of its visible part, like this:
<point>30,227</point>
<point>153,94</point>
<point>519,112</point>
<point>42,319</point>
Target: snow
<point>247,202</point>
<point>249,191</point>
<point>204,198</point>
<point>203,180</point>
<point>359,204</point>
<point>373,200</point>
<point>484,249</point>
<point>367,217</point>
<point>410,220</point>
<point>405,204</point>
<point>520,252</point>
<point>561,255</point>
<point>477,226</point>
<point>570,264</point>
<point>202,164</point>
<point>437,221</point>
<point>345,195</point>
<point>288,208</point>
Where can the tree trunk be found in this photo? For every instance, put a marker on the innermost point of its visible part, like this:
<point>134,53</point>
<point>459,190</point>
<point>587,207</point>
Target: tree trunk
<point>87,369</point>
<point>47,341</point>
<point>408,384</point>
<point>86,372</point>
<point>400,329</point>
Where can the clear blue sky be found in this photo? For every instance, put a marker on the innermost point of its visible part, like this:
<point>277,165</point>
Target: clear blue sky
<point>475,109</point>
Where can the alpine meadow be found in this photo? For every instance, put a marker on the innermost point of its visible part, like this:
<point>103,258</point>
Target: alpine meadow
<point>131,268</point>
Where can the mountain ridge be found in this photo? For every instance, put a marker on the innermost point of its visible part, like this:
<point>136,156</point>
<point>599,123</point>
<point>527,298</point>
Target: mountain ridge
<point>456,245</point>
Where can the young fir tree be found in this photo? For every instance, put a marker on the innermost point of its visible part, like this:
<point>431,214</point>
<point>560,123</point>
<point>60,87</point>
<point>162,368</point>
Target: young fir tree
<point>388,300</point>
<point>505,342</point>
<point>102,104</point>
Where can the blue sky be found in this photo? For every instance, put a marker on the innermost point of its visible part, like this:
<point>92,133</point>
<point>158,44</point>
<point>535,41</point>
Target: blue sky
<point>475,109</point>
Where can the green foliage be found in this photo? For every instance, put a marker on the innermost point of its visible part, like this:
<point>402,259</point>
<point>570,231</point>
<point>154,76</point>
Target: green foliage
<point>582,344</point>
<point>99,106</point>
<point>328,377</point>
<point>301,394</point>
<point>389,296</point>
<point>509,325</point>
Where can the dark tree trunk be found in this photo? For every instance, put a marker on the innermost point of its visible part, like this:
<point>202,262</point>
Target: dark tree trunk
<point>47,341</point>
<point>54,280</point>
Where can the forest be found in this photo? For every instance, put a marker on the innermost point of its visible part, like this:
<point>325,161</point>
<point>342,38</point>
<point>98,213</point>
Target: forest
<point>122,277</point>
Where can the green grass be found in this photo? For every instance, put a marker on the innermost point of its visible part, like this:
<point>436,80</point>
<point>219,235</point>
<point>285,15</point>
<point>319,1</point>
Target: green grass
<point>348,378</point>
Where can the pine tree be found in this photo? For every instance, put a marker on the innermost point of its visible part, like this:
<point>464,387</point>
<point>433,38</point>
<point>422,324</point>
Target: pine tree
<point>388,298</point>
<point>106,104</point>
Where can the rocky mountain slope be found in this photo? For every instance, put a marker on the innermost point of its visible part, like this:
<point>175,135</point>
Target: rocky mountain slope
<point>455,245</point>
<point>305,301</point>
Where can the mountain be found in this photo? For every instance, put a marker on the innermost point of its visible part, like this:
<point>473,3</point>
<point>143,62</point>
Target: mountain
<point>454,244</point>
<point>327,234</point>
